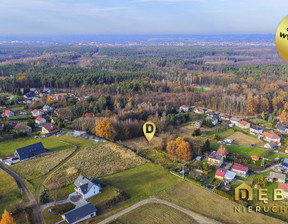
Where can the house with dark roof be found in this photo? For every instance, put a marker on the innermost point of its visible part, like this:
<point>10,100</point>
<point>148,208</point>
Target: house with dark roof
<point>87,187</point>
<point>256,131</point>
<point>49,128</point>
<point>282,129</point>
<point>215,160</point>
<point>80,214</point>
<point>29,151</point>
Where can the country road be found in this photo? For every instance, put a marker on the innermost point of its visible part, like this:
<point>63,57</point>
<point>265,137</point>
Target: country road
<point>267,169</point>
<point>32,202</point>
<point>197,217</point>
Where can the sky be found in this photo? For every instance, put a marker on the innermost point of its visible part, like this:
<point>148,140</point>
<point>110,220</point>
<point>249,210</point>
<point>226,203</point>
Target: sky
<point>50,17</point>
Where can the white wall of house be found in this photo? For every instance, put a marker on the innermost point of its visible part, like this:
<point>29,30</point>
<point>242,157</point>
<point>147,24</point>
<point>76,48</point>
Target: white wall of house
<point>92,192</point>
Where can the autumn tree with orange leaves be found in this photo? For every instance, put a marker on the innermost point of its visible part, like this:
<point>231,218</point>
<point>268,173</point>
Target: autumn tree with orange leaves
<point>105,129</point>
<point>179,149</point>
<point>7,218</point>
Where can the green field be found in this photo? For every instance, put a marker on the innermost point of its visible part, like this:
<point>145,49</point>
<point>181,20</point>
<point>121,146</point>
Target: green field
<point>248,151</point>
<point>142,181</point>
<point>262,122</point>
<point>34,170</point>
<point>9,191</point>
<point>156,214</point>
<point>8,147</point>
<point>211,205</point>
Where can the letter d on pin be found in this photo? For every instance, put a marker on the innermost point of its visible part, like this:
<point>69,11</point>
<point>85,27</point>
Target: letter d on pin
<point>149,129</point>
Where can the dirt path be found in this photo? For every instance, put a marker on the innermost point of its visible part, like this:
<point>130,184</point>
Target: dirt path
<point>197,217</point>
<point>267,169</point>
<point>32,202</point>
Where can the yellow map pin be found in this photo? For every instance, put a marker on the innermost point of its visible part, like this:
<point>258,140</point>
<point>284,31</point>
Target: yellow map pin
<point>149,129</point>
<point>282,39</point>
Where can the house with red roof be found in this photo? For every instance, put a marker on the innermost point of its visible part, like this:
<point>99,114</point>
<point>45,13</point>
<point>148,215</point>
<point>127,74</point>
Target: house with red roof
<point>240,170</point>
<point>255,158</point>
<point>271,137</point>
<point>8,113</point>
<point>284,187</point>
<point>89,115</point>
<point>49,128</point>
<point>40,120</point>
<point>286,150</point>
<point>198,110</point>
<point>244,125</point>
<point>220,173</point>
<point>222,151</point>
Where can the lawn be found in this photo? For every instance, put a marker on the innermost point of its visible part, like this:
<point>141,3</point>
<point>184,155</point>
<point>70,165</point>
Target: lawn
<point>96,160</point>
<point>210,204</point>
<point>248,151</point>
<point>156,214</point>
<point>54,216</point>
<point>261,122</point>
<point>8,147</point>
<point>141,143</point>
<point>244,139</point>
<point>142,181</point>
<point>9,191</point>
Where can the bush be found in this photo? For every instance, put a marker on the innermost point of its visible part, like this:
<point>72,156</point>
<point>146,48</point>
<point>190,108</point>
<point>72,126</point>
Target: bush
<point>197,132</point>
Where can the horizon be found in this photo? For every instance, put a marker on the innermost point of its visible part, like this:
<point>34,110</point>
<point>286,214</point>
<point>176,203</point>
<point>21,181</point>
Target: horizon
<point>74,17</point>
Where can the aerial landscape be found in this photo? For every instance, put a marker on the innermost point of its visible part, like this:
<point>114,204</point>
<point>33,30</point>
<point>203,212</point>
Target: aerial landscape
<point>76,108</point>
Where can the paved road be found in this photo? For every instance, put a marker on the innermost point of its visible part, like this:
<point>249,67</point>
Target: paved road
<point>267,169</point>
<point>32,202</point>
<point>197,217</point>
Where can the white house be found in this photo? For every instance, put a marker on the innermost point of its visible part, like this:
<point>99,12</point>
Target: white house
<point>36,113</point>
<point>80,213</point>
<point>198,110</point>
<point>40,120</point>
<point>256,131</point>
<point>244,125</point>
<point>235,121</point>
<point>47,108</point>
<point>87,187</point>
<point>282,129</point>
<point>184,108</point>
<point>271,137</point>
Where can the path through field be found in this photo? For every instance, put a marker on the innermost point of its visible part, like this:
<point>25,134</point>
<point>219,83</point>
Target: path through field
<point>197,217</point>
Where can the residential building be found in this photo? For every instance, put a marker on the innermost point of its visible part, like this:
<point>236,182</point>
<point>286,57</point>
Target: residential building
<point>255,158</point>
<point>184,108</point>
<point>271,137</point>
<point>284,164</point>
<point>220,173</point>
<point>29,95</point>
<point>286,150</point>
<point>47,108</point>
<point>225,117</point>
<point>235,121</point>
<point>271,145</point>
<point>222,151</point>
<point>284,187</point>
<point>244,125</point>
<point>40,120</point>
<point>8,113</point>
<point>213,120</point>
<point>23,113</point>
<point>215,160</point>
<point>229,176</point>
<point>256,131</point>
<point>198,110</point>
<point>36,113</point>
<point>240,170</point>
<point>29,151</point>
<point>49,128</point>
<point>276,177</point>
<point>20,127</point>
<point>80,214</point>
<point>282,129</point>
<point>87,187</point>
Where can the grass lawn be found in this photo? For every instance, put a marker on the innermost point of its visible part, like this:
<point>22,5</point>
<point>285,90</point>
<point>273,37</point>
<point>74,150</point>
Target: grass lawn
<point>262,122</point>
<point>156,214</point>
<point>210,204</point>
<point>141,143</point>
<point>244,139</point>
<point>8,147</point>
<point>247,151</point>
<point>142,181</point>
<point>9,191</point>
<point>54,216</point>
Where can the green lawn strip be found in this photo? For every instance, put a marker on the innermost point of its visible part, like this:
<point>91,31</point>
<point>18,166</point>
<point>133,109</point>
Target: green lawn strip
<point>247,151</point>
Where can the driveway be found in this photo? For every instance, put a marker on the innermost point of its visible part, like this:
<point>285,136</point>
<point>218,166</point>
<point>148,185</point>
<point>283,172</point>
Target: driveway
<point>197,217</point>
